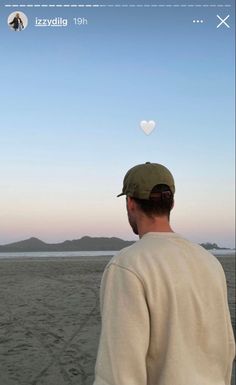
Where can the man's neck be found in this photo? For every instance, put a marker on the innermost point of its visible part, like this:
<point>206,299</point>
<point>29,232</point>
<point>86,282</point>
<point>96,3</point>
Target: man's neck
<point>155,225</point>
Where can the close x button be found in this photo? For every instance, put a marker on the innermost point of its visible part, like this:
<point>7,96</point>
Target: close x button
<point>223,21</point>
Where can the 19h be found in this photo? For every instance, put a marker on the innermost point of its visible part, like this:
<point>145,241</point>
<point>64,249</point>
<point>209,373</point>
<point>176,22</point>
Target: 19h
<point>80,21</point>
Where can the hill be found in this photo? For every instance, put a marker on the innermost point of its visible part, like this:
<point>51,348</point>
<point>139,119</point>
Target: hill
<point>83,244</point>
<point>211,246</point>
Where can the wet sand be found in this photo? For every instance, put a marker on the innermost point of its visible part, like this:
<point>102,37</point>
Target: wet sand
<point>50,319</point>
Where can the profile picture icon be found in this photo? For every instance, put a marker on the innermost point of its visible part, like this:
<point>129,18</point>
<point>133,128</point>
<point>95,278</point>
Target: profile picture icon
<point>17,21</point>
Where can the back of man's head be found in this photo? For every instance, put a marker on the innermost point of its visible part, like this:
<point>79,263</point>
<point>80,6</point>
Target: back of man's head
<point>160,202</point>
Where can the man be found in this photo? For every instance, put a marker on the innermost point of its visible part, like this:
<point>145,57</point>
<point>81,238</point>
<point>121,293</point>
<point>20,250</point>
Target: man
<point>165,316</point>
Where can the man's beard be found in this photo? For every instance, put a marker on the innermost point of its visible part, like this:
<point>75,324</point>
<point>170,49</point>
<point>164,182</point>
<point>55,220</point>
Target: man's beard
<point>132,223</point>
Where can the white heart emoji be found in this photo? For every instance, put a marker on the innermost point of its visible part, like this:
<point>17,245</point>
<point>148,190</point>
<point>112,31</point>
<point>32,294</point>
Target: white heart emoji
<point>147,127</point>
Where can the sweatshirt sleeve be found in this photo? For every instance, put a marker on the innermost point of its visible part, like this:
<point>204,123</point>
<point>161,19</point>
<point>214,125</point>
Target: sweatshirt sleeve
<point>124,338</point>
<point>231,340</point>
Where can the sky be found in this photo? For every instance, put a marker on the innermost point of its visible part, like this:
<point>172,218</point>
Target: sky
<point>72,99</point>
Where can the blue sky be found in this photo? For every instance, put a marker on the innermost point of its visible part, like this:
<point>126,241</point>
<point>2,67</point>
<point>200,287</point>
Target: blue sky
<point>72,100</point>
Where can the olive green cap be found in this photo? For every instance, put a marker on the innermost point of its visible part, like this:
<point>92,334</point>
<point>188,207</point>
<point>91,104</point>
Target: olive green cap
<point>140,180</point>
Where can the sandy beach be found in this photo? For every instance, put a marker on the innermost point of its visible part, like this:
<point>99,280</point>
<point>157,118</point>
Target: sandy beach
<point>50,319</point>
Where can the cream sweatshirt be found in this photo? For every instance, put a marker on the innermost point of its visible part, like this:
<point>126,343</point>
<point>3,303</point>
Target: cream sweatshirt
<point>165,316</point>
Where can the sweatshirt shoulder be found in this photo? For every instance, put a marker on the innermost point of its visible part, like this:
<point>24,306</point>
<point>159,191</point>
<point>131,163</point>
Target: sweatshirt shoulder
<point>126,257</point>
<point>199,249</point>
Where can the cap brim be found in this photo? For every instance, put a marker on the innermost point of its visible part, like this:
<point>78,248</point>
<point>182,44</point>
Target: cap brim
<point>120,194</point>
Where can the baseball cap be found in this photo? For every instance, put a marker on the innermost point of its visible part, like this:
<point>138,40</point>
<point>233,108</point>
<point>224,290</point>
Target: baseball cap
<point>140,180</point>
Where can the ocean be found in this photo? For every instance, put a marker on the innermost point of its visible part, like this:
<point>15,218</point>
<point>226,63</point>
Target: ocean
<point>64,254</point>
<point>57,254</point>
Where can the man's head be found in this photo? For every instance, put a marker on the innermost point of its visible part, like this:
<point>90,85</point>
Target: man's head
<point>149,190</point>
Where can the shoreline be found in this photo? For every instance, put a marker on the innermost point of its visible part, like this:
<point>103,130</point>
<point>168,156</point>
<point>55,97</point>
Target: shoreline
<point>80,257</point>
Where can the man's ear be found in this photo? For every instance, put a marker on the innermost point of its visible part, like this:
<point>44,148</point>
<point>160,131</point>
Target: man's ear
<point>131,204</point>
